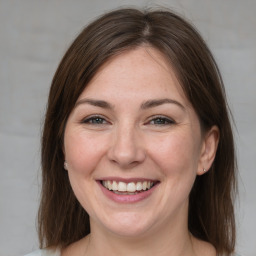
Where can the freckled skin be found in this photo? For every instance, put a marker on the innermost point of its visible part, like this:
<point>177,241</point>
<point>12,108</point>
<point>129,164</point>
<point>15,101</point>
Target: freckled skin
<point>129,144</point>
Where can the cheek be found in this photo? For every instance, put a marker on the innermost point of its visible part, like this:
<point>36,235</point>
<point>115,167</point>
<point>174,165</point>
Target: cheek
<point>177,153</point>
<point>82,152</point>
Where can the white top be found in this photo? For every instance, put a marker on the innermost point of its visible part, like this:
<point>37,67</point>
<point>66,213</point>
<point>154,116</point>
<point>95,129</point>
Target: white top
<point>46,252</point>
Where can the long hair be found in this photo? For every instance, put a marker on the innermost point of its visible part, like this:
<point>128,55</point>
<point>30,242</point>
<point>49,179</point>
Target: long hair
<point>61,219</point>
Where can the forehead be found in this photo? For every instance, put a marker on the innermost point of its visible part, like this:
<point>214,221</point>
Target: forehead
<point>143,70</point>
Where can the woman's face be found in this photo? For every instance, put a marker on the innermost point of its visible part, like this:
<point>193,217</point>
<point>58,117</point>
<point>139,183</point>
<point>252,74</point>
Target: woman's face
<point>133,146</point>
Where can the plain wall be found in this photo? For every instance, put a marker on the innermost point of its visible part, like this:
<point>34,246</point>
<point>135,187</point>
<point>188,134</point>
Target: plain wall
<point>34,35</point>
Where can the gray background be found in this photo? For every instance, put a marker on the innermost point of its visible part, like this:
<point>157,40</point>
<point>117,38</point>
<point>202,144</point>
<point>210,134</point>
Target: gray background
<point>33,37</point>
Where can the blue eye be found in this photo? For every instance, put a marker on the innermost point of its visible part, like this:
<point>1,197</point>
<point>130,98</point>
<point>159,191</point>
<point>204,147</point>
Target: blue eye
<point>161,121</point>
<point>94,120</point>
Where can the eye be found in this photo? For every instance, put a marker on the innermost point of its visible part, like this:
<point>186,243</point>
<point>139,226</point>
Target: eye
<point>94,120</point>
<point>161,121</point>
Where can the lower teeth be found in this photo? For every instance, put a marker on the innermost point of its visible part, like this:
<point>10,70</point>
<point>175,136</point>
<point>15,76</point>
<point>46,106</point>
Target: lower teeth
<point>124,193</point>
<point>127,193</point>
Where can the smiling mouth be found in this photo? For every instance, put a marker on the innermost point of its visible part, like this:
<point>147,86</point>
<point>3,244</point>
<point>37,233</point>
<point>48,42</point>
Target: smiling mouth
<point>130,188</point>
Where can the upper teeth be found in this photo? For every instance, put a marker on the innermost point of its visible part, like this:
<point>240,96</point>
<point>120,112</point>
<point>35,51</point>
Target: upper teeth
<point>127,187</point>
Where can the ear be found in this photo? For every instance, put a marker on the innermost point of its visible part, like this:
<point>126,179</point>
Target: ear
<point>208,150</point>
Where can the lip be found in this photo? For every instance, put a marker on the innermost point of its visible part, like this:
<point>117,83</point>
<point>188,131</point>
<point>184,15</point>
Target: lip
<point>127,199</point>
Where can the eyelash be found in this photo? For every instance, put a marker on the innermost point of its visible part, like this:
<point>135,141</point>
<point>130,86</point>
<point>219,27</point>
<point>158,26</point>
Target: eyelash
<point>94,120</point>
<point>163,121</point>
<point>99,120</point>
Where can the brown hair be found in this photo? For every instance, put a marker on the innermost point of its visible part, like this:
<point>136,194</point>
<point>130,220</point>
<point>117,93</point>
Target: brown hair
<point>62,220</point>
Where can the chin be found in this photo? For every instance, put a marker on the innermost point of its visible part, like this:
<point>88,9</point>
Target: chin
<point>129,225</point>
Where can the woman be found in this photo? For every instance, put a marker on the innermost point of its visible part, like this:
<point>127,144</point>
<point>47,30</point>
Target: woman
<point>137,148</point>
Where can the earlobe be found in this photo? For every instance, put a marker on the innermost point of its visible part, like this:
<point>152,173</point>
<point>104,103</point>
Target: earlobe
<point>65,165</point>
<point>209,149</point>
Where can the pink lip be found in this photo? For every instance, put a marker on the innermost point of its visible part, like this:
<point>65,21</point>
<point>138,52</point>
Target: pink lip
<point>127,198</point>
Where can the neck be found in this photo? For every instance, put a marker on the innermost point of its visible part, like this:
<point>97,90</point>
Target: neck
<point>168,241</point>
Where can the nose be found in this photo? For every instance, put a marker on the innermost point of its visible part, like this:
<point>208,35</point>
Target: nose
<point>126,148</point>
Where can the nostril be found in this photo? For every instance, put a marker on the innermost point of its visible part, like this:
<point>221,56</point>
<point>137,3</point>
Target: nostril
<point>126,149</point>
<point>127,157</point>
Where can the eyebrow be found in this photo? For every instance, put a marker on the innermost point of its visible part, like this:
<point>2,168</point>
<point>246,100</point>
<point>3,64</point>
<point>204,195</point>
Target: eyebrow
<point>158,102</point>
<point>145,105</point>
<point>97,103</point>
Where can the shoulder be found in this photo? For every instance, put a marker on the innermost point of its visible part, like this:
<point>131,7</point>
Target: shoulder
<point>45,252</point>
<point>35,253</point>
